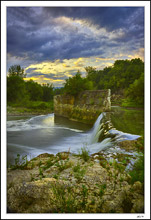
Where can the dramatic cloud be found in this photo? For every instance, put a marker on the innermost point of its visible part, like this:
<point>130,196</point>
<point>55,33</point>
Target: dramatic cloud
<point>52,43</point>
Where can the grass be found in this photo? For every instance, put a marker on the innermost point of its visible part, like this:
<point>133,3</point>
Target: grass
<point>84,154</point>
<point>65,199</point>
<point>30,107</point>
<point>20,162</point>
<point>130,103</point>
<point>79,172</point>
<point>63,164</point>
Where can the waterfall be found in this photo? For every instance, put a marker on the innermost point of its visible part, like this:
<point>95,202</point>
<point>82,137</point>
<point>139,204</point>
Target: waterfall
<point>95,133</point>
<point>110,137</point>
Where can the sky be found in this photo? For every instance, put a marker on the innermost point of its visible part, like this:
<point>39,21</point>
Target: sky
<point>53,43</point>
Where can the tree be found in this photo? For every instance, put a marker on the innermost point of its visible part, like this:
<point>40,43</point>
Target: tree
<point>16,91</point>
<point>47,92</point>
<point>74,85</point>
<point>16,70</point>
<point>34,90</point>
<point>136,90</point>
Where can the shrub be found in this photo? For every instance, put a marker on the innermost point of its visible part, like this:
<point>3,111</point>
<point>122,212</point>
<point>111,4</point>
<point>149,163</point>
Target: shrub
<point>84,154</point>
<point>20,162</point>
<point>63,164</point>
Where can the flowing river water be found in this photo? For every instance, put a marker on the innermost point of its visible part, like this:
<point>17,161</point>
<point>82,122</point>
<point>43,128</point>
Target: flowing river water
<point>32,136</point>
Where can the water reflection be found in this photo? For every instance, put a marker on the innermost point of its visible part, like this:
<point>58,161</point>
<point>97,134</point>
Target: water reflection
<point>128,120</point>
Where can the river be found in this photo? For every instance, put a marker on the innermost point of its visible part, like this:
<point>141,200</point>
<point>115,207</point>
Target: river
<point>32,136</point>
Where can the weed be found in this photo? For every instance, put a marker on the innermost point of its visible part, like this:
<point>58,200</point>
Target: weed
<point>63,164</point>
<point>76,168</point>
<point>92,202</point>
<point>56,176</point>
<point>103,186</point>
<point>20,163</point>
<point>79,172</point>
<point>102,189</point>
<point>103,163</point>
<point>65,199</point>
<point>49,163</point>
<point>84,154</point>
<point>101,192</point>
<point>32,177</point>
<point>40,163</point>
<point>41,173</point>
<point>84,194</point>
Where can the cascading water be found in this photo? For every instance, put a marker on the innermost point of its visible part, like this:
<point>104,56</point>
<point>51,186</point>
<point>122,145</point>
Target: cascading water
<point>110,137</point>
<point>40,134</point>
<point>95,133</point>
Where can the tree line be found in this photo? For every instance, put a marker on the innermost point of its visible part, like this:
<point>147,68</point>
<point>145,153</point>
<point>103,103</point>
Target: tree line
<point>125,77</point>
<point>19,90</point>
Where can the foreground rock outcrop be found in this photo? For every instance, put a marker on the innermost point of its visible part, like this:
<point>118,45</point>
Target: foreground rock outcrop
<point>68,183</point>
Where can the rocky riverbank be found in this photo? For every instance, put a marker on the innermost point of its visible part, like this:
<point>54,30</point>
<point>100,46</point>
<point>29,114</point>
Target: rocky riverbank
<point>68,183</point>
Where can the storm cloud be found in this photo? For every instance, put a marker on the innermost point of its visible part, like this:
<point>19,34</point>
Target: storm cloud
<point>40,34</point>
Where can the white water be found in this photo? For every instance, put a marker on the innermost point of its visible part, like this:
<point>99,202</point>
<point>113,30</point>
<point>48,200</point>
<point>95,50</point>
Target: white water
<point>36,122</point>
<point>94,136</point>
<point>40,134</point>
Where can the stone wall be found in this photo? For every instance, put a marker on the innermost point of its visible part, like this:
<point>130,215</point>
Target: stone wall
<point>86,107</point>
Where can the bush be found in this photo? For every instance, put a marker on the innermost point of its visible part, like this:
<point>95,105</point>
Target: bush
<point>84,154</point>
<point>136,90</point>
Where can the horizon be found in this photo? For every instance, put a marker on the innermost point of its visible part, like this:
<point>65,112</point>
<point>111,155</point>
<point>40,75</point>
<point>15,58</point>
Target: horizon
<point>53,43</point>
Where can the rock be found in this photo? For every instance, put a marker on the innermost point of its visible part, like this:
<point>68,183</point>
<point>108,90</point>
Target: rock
<point>137,186</point>
<point>51,186</point>
<point>131,144</point>
<point>138,206</point>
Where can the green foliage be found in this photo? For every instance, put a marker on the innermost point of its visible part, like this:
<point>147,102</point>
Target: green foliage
<point>20,162</point>
<point>58,91</point>
<point>16,70</point>
<point>23,93</point>
<point>84,196</point>
<point>84,154</point>
<point>102,190</point>
<point>79,172</point>
<point>34,90</point>
<point>65,199</point>
<point>63,164</point>
<point>47,92</point>
<point>76,168</point>
<point>129,102</point>
<point>32,176</point>
<point>48,164</point>
<point>136,90</point>
<point>35,105</point>
<point>16,91</point>
<point>137,173</point>
<point>126,76</point>
<point>76,84</point>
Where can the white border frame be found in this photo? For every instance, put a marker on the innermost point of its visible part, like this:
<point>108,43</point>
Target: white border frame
<point>4,5</point>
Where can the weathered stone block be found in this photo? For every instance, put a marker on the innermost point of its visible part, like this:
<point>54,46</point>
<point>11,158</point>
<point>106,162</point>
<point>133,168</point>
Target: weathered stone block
<point>85,108</point>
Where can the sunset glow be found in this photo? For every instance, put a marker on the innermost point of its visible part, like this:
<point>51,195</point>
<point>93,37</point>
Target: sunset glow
<point>53,43</point>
